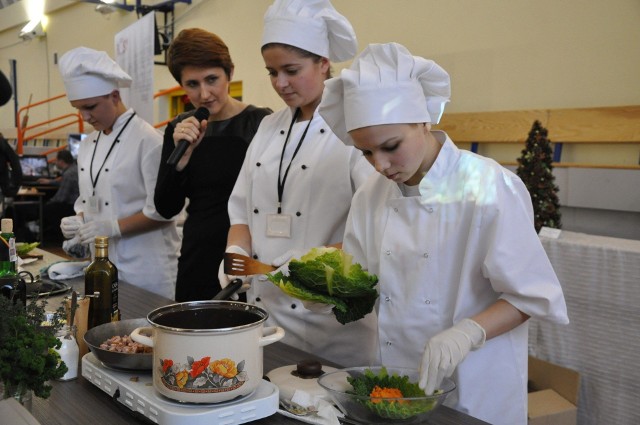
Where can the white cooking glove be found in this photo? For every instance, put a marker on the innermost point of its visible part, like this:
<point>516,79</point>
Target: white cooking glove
<point>90,230</point>
<point>444,352</point>
<point>225,279</point>
<point>70,225</point>
<point>282,262</point>
<point>316,307</point>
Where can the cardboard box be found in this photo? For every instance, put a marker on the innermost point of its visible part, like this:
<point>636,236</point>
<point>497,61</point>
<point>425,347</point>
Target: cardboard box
<point>553,394</point>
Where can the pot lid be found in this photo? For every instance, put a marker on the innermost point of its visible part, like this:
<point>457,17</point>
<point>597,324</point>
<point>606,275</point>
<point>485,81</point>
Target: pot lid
<point>302,376</point>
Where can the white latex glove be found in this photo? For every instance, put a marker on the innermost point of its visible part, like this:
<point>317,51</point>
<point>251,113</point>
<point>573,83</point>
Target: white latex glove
<point>225,279</point>
<point>70,225</point>
<point>320,308</point>
<point>282,262</point>
<point>90,230</point>
<point>444,352</point>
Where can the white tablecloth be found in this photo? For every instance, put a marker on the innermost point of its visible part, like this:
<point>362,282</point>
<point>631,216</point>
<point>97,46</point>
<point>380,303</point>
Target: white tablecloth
<point>600,277</point>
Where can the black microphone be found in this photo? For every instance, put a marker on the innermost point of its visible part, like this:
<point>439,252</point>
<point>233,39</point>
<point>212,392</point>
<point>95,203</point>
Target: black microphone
<point>201,113</point>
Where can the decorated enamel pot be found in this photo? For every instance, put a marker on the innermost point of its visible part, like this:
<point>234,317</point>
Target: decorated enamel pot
<point>207,351</point>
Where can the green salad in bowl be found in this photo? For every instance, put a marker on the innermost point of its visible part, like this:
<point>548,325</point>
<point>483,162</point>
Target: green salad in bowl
<point>383,395</point>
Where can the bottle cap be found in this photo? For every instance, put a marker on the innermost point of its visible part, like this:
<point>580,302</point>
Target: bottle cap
<point>7,225</point>
<point>102,241</point>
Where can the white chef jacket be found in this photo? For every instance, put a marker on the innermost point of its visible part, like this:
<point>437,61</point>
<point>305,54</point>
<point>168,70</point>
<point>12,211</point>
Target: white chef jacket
<point>448,254</point>
<point>317,194</point>
<point>125,186</point>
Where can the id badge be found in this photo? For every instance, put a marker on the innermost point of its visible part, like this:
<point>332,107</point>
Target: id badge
<point>94,205</point>
<point>279,225</point>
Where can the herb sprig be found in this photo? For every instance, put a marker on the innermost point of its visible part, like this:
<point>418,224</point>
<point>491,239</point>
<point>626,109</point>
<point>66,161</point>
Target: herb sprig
<point>27,356</point>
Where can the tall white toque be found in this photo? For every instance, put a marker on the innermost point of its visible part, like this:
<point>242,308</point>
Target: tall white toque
<point>385,84</point>
<point>90,73</point>
<point>311,25</point>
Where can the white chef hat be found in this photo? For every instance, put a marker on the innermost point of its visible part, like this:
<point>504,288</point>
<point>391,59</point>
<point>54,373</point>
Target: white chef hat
<point>385,84</point>
<point>89,73</point>
<point>312,25</point>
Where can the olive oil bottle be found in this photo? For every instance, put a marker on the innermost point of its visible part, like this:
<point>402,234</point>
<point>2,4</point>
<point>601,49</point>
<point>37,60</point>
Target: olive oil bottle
<point>101,283</point>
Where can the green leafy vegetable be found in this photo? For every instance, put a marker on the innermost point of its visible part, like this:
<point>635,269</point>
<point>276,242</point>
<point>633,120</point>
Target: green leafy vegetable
<point>28,359</point>
<point>296,290</point>
<point>24,248</point>
<point>331,271</point>
<point>363,385</point>
<point>328,275</point>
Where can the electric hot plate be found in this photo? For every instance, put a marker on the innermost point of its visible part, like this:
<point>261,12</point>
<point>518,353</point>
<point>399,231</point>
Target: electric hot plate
<point>136,392</point>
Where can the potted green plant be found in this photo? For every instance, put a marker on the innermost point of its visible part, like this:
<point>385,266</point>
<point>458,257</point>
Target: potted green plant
<point>28,359</point>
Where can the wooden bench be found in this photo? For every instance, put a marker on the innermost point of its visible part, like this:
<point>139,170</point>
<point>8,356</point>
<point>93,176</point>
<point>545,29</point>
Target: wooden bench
<point>606,137</point>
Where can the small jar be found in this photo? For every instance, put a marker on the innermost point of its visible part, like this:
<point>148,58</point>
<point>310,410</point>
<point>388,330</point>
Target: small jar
<point>69,353</point>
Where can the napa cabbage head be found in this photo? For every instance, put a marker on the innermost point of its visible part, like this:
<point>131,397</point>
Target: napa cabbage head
<point>329,276</point>
<point>332,271</point>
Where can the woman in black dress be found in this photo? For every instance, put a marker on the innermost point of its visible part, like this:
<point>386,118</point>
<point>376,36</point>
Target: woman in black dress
<point>206,173</point>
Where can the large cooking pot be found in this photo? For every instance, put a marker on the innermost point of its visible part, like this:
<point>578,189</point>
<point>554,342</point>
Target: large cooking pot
<point>207,351</point>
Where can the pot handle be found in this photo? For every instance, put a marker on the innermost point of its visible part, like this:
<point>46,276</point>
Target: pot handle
<point>137,336</point>
<point>275,333</point>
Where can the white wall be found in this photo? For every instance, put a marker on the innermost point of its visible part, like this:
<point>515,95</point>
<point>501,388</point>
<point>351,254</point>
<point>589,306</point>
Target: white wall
<point>502,55</point>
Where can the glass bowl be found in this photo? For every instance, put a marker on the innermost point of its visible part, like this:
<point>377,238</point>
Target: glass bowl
<point>386,409</point>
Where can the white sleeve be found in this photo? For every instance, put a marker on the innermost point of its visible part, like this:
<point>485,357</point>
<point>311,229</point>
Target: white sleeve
<point>77,206</point>
<point>238,200</point>
<point>150,163</point>
<point>354,240</point>
<point>524,276</point>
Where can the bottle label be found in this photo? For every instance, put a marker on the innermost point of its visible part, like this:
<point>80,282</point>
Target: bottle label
<point>8,255</point>
<point>13,255</point>
<point>115,312</point>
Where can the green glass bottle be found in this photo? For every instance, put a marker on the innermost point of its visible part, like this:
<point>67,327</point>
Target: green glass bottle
<point>8,255</point>
<point>101,277</point>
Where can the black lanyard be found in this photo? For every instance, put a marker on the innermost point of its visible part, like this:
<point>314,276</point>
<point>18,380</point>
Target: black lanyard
<point>281,181</point>
<point>95,147</point>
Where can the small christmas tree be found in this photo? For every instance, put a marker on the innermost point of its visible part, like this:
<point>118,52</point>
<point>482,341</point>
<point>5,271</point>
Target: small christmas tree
<point>535,169</point>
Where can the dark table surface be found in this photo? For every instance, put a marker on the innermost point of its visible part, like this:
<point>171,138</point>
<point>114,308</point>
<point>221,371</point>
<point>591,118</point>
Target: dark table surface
<point>80,402</point>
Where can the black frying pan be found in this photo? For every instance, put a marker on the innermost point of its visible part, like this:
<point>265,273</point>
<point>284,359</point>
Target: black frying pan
<point>97,335</point>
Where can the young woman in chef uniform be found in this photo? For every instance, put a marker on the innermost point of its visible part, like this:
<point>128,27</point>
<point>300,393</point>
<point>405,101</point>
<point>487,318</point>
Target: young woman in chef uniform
<point>117,170</point>
<point>449,233</point>
<point>295,186</point>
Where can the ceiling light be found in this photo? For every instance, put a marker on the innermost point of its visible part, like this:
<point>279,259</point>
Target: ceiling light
<point>32,30</point>
<point>105,9</point>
